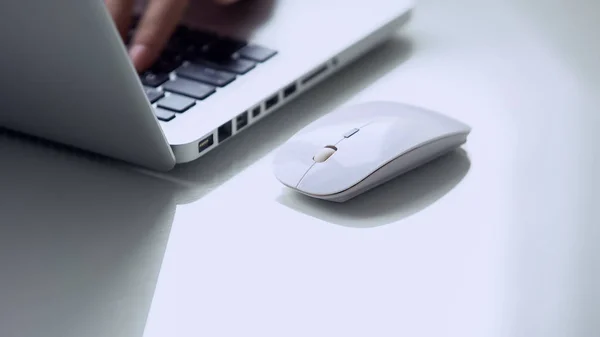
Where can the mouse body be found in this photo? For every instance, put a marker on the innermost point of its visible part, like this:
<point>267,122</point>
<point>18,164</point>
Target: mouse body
<point>358,147</point>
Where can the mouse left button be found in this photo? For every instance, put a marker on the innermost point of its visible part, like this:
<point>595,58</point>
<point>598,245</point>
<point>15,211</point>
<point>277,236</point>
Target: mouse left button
<point>292,162</point>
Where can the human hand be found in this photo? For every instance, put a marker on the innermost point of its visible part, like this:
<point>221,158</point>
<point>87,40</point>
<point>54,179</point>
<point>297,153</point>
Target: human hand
<point>157,24</point>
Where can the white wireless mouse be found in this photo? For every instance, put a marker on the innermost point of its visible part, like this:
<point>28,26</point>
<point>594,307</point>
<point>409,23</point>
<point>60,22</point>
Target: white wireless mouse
<point>356,148</point>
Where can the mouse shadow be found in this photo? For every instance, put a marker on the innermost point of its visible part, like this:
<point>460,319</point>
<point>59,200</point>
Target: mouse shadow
<point>391,202</point>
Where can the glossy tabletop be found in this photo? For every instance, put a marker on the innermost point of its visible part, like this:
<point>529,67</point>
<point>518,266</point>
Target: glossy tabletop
<point>498,239</point>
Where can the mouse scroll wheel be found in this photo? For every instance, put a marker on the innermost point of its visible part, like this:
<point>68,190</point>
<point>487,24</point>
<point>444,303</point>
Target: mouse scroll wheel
<point>324,153</point>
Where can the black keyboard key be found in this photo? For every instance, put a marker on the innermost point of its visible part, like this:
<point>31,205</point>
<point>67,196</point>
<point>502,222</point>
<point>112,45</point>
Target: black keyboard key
<point>154,80</point>
<point>257,53</point>
<point>191,52</point>
<point>195,44</point>
<point>167,62</point>
<point>180,40</point>
<point>176,103</point>
<point>230,44</point>
<point>198,72</point>
<point>200,38</point>
<point>237,66</point>
<point>180,36</point>
<point>153,94</point>
<point>223,48</point>
<point>173,50</point>
<point>164,115</point>
<point>189,88</point>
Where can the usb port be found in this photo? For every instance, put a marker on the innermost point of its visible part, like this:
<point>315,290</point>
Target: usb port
<point>256,112</point>
<point>241,121</point>
<point>206,143</point>
<point>290,90</point>
<point>271,102</point>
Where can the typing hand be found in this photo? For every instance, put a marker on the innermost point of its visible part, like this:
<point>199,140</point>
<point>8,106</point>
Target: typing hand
<point>157,23</point>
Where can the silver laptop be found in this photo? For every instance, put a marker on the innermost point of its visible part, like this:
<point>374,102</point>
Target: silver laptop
<point>66,75</point>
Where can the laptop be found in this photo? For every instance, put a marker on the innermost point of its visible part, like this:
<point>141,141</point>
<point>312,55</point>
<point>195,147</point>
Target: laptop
<point>67,78</point>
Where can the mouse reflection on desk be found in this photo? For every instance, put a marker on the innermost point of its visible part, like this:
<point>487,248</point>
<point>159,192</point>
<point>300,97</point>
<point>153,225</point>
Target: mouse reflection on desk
<point>359,147</point>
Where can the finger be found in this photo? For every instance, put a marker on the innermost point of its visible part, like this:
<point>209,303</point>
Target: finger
<point>154,30</point>
<point>121,12</point>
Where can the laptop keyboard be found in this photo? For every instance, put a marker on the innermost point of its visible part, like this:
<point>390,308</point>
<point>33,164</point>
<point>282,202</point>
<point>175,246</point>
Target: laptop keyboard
<point>203,62</point>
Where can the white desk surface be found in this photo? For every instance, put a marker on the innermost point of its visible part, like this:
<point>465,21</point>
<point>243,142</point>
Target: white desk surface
<point>501,240</point>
